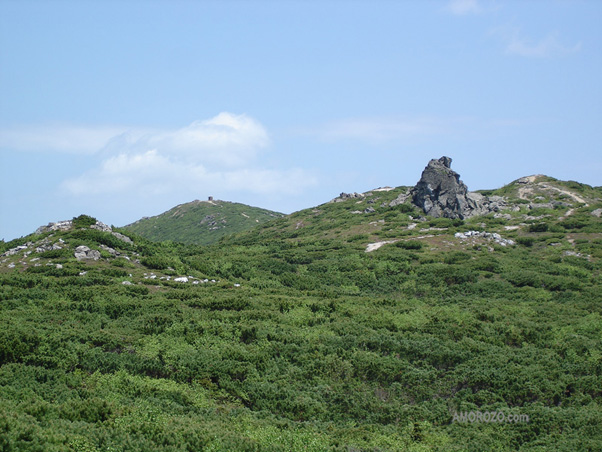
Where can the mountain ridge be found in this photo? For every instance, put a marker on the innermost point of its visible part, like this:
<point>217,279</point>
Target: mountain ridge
<point>201,222</point>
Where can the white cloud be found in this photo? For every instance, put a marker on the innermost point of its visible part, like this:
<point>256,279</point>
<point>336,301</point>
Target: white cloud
<point>220,153</point>
<point>225,139</point>
<point>57,138</point>
<point>517,44</point>
<point>463,7</point>
<point>151,174</point>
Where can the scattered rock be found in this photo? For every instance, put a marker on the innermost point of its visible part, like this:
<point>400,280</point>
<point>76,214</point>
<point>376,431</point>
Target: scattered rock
<point>123,238</point>
<point>127,283</point>
<point>597,213</point>
<point>100,226</point>
<point>58,226</point>
<point>346,196</point>
<point>47,247</point>
<point>576,254</point>
<point>182,279</point>
<point>374,246</point>
<point>387,188</point>
<point>402,198</point>
<point>109,250</point>
<point>15,250</point>
<point>83,252</point>
<point>369,210</point>
<point>487,235</point>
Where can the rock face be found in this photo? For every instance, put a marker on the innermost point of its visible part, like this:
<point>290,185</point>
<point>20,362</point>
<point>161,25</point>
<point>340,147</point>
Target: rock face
<point>83,252</point>
<point>441,193</point>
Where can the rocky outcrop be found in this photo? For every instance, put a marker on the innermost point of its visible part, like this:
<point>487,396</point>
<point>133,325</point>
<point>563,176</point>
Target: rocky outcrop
<point>401,199</point>
<point>68,224</point>
<point>83,252</point>
<point>58,226</point>
<point>345,196</point>
<point>441,193</point>
<point>123,238</point>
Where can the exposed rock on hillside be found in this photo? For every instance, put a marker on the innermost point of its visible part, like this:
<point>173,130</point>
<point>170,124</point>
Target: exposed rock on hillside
<point>441,193</point>
<point>345,196</point>
<point>68,224</point>
<point>83,252</point>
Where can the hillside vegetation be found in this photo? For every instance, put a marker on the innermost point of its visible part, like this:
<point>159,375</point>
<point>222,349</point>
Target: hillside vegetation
<point>350,326</point>
<point>201,222</point>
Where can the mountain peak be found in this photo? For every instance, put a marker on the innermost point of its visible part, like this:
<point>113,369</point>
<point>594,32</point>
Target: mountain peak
<point>201,221</point>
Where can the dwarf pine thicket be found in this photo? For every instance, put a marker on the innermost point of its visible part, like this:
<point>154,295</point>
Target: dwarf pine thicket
<point>291,337</point>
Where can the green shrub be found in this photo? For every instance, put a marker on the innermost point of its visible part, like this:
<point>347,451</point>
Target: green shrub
<point>55,254</point>
<point>159,262</point>
<point>538,227</point>
<point>406,208</point>
<point>409,244</point>
<point>83,221</point>
<point>456,257</point>
<point>525,241</point>
<point>114,272</point>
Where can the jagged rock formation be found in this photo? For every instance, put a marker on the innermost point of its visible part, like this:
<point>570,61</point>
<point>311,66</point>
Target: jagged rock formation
<point>441,193</point>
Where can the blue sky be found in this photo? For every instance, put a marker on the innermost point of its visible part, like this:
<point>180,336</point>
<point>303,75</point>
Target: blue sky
<point>123,109</point>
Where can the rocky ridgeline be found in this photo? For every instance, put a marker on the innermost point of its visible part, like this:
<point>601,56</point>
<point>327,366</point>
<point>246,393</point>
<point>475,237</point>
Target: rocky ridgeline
<point>81,252</point>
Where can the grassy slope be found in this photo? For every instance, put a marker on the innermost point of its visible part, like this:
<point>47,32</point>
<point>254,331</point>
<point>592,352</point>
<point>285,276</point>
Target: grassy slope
<point>323,346</point>
<point>201,222</point>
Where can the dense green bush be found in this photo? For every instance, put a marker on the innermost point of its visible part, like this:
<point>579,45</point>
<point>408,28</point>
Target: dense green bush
<point>159,262</point>
<point>83,221</point>
<point>409,244</point>
<point>525,241</point>
<point>538,227</point>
